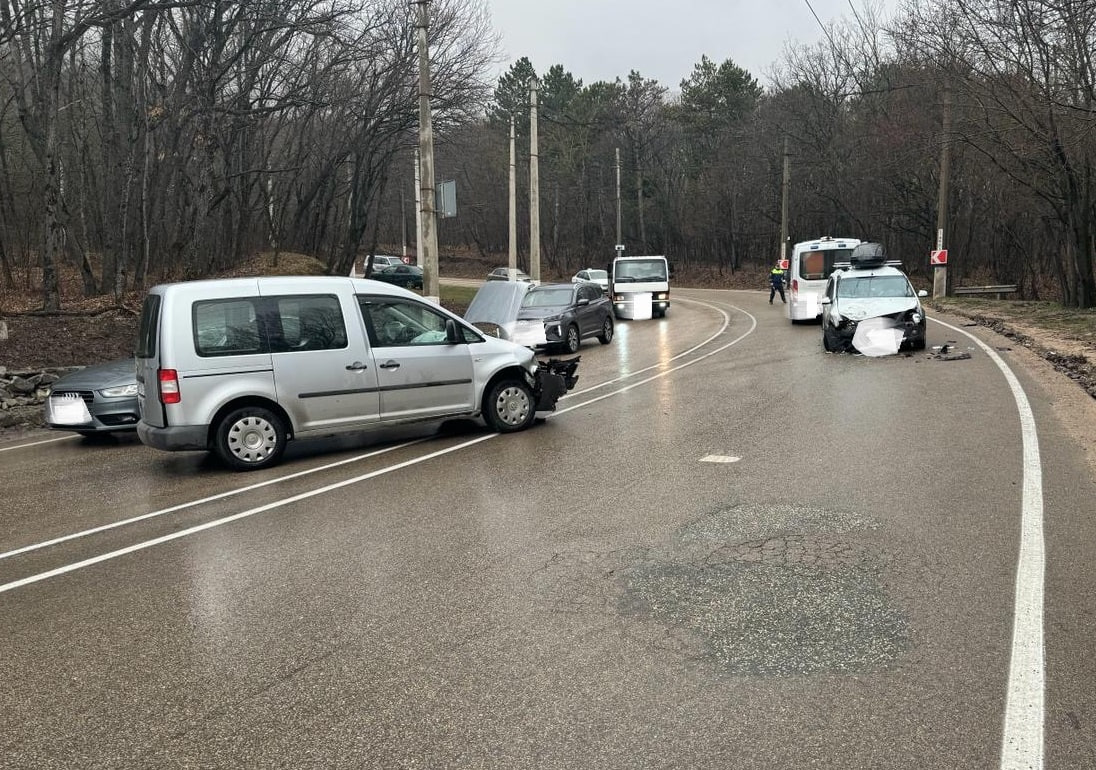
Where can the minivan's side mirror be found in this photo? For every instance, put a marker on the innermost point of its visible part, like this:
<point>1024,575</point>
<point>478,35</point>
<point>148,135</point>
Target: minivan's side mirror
<point>452,332</point>
<point>922,293</point>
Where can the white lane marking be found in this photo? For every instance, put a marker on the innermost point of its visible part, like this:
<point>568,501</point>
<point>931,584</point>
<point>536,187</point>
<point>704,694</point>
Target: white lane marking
<point>719,459</point>
<point>37,443</point>
<point>338,485</point>
<point>210,499</point>
<point>722,328</point>
<point>1022,739</point>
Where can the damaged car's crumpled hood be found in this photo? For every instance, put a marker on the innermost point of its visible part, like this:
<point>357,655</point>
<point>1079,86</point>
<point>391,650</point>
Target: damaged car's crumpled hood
<point>498,302</point>
<point>859,309</point>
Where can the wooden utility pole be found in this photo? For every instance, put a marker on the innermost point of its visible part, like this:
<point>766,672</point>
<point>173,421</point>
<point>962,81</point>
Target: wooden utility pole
<point>940,273</point>
<point>534,185</point>
<point>429,246</point>
<point>513,263</point>
<point>785,192</point>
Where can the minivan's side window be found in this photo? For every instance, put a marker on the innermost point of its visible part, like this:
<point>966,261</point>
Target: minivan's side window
<point>309,323</point>
<point>396,322</point>
<point>226,327</point>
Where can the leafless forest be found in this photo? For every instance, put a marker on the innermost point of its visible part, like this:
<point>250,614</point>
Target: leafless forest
<point>144,139</point>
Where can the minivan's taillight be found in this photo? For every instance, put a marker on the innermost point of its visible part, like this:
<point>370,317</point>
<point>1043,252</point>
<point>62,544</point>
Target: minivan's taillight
<point>795,287</point>
<point>169,386</point>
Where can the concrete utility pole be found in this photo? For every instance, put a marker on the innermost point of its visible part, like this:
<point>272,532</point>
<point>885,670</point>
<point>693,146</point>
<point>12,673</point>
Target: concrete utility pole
<point>534,185</point>
<point>428,257</point>
<point>418,212</point>
<point>513,263</point>
<point>940,273</point>
<point>785,191</point>
<point>619,242</point>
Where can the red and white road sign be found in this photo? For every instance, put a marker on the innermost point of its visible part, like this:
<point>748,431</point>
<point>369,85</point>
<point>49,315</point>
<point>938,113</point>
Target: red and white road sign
<point>783,264</point>
<point>939,257</point>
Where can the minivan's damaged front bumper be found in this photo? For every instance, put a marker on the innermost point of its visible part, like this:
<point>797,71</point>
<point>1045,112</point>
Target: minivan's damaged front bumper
<point>553,378</point>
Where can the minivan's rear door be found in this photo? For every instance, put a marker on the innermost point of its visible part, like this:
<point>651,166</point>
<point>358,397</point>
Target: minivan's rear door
<point>323,371</point>
<point>147,355</point>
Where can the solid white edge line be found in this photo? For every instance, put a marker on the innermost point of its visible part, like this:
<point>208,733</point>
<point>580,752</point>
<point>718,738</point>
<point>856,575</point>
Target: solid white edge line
<point>1022,735</point>
<point>346,482</point>
<point>37,443</point>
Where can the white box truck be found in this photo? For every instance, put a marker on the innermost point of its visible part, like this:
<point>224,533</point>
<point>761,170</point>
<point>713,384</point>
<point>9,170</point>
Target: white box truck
<point>639,287</point>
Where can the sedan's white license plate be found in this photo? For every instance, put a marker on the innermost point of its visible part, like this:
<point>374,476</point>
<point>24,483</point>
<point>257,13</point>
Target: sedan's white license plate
<point>68,410</point>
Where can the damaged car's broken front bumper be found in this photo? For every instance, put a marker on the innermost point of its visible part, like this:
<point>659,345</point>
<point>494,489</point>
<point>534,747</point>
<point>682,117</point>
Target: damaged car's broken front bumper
<point>552,380</point>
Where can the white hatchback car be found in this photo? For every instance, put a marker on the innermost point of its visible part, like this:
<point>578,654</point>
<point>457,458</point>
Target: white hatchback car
<point>870,306</point>
<point>591,275</point>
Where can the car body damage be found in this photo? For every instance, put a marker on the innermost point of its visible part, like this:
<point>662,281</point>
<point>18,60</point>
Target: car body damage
<point>877,327</point>
<point>497,304</point>
<point>553,379</point>
<point>870,307</point>
<point>494,310</point>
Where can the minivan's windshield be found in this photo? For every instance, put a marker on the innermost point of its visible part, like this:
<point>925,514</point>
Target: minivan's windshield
<point>639,270</point>
<point>875,286</point>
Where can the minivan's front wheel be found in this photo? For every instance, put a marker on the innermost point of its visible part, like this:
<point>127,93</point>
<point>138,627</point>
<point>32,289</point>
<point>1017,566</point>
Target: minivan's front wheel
<point>509,406</point>
<point>250,438</point>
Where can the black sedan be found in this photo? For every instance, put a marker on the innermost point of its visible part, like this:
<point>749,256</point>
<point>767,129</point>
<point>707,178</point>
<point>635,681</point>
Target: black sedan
<point>569,314</point>
<point>408,276</point>
<point>95,399</point>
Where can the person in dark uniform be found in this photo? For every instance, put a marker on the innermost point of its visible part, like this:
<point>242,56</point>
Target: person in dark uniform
<point>776,283</point>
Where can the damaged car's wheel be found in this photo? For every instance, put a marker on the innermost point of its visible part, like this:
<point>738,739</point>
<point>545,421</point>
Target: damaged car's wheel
<point>827,342</point>
<point>509,406</point>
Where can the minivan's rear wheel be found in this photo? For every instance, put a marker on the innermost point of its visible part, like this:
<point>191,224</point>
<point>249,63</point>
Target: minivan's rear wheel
<point>509,406</point>
<point>250,438</point>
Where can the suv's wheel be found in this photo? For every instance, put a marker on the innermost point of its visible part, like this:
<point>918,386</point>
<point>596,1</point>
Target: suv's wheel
<point>827,344</point>
<point>606,335</point>
<point>250,438</point>
<point>509,406</point>
<point>571,340</point>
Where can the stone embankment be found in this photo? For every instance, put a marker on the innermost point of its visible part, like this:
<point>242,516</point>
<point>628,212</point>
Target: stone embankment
<point>23,394</point>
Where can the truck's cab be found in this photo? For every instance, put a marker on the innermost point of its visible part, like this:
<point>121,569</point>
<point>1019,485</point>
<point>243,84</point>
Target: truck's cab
<point>639,286</point>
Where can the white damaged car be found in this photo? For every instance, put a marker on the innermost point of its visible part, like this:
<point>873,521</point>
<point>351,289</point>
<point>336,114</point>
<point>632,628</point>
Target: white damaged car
<point>869,306</point>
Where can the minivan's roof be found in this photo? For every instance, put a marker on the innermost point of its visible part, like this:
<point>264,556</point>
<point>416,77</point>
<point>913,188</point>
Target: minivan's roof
<point>283,284</point>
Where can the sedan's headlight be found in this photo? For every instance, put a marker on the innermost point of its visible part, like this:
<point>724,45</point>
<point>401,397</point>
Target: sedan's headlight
<point>916,318</point>
<point>122,390</point>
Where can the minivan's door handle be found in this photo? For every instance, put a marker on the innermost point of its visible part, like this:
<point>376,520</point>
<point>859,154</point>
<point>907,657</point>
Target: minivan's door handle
<point>390,364</point>
<point>357,366</point>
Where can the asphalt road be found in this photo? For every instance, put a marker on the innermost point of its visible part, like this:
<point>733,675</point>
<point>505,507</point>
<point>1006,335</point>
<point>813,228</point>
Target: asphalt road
<point>727,549</point>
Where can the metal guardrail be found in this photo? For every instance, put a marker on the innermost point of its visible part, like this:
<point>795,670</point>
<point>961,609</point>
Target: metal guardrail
<point>998,290</point>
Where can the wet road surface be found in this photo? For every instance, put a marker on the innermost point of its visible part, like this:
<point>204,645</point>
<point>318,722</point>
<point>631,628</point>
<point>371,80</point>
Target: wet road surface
<point>727,549</point>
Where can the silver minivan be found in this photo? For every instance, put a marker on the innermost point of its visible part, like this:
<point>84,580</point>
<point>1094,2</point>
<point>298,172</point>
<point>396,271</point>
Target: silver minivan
<point>241,366</point>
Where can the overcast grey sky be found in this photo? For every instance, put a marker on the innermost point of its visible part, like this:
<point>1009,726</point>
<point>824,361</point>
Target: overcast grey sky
<point>605,39</point>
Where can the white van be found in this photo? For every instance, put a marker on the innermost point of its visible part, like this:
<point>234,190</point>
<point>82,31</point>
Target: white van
<point>240,366</point>
<point>639,286</point>
<point>810,267</point>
